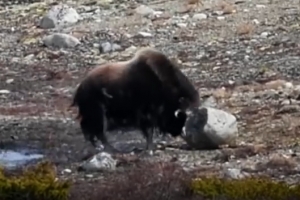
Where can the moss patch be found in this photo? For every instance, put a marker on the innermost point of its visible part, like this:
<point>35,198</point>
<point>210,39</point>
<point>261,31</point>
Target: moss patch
<point>246,189</point>
<point>36,183</point>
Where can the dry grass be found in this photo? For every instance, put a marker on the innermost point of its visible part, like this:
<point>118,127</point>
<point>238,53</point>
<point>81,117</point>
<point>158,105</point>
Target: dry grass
<point>245,29</point>
<point>226,7</point>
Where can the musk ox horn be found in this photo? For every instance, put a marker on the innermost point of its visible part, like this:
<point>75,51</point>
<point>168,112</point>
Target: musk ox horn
<point>177,112</point>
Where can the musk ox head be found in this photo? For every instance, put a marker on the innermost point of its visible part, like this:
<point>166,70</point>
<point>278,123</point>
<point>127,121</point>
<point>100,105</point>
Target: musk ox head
<point>173,123</point>
<point>186,92</point>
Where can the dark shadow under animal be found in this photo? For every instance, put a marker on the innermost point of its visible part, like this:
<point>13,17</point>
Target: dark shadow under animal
<point>144,92</point>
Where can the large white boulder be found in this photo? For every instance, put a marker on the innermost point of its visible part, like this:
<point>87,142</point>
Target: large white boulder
<point>208,128</point>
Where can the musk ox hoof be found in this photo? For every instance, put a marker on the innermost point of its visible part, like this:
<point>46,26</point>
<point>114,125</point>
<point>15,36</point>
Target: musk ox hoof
<point>110,149</point>
<point>144,153</point>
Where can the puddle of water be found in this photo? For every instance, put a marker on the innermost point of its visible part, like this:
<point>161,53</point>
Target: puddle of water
<point>12,158</point>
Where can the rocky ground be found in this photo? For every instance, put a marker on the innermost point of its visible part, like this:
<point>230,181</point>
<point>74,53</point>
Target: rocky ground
<point>245,54</point>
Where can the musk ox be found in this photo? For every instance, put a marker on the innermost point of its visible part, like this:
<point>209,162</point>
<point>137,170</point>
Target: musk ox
<point>147,92</point>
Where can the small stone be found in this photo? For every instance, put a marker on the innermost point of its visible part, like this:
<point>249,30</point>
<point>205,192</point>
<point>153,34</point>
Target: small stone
<point>104,2</point>
<point>144,34</point>
<point>218,12</point>
<point>185,17</point>
<point>288,109</point>
<point>220,17</point>
<point>9,81</point>
<point>67,171</point>
<point>278,161</point>
<point>99,162</point>
<point>233,173</point>
<point>144,10</point>
<point>264,34</point>
<point>255,21</point>
<point>297,88</point>
<point>89,175</point>
<point>200,16</point>
<point>210,102</point>
<point>275,84</point>
<point>231,82</point>
<point>181,25</point>
<point>109,47</point>
<point>29,57</point>
<point>289,85</point>
<point>4,91</point>
<point>59,16</point>
<point>260,6</point>
<point>60,40</point>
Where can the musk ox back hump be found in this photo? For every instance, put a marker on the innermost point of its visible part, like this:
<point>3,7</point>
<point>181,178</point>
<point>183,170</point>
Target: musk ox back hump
<point>176,84</point>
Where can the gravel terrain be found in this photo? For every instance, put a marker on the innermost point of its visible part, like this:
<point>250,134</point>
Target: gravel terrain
<point>243,53</point>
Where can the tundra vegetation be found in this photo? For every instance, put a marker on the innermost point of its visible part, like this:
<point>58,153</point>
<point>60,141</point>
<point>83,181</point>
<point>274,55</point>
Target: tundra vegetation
<point>244,55</point>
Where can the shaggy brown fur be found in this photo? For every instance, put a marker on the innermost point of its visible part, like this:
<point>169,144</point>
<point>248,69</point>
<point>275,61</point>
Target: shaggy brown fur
<point>144,92</point>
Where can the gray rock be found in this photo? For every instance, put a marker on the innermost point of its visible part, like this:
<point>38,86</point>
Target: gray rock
<point>99,162</point>
<point>60,40</point>
<point>210,102</point>
<point>182,25</point>
<point>221,18</point>
<point>200,16</point>
<point>208,128</point>
<point>109,47</point>
<point>144,10</point>
<point>233,173</point>
<point>143,34</point>
<point>4,91</point>
<point>218,12</point>
<point>264,34</point>
<point>59,16</point>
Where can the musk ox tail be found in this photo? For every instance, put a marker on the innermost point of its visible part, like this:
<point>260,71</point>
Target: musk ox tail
<point>77,98</point>
<point>88,100</point>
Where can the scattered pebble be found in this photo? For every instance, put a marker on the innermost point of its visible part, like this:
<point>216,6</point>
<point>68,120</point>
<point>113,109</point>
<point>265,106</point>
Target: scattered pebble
<point>106,47</point>
<point>4,91</point>
<point>199,16</point>
<point>60,40</point>
<point>181,25</point>
<point>67,171</point>
<point>264,34</point>
<point>233,173</point>
<point>260,6</point>
<point>221,18</point>
<point>99,162</point>
<point>144,34</point>
<point>9,81</point>
<point>144,10</point>
<point>255,21</point>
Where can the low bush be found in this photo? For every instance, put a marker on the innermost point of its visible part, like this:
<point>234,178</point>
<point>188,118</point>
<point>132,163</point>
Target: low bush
<point>35,183</point>
<point>244,189</point>
<point>142,181</point>
<point>165,181</point>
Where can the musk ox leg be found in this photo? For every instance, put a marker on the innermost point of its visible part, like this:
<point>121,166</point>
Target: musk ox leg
<point>148,134</point>
<point>95,127</point>
<point>107,147</point>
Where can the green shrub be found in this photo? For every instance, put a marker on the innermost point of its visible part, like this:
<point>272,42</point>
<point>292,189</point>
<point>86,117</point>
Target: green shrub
<point>36,183</point>
<point>245,189</point>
